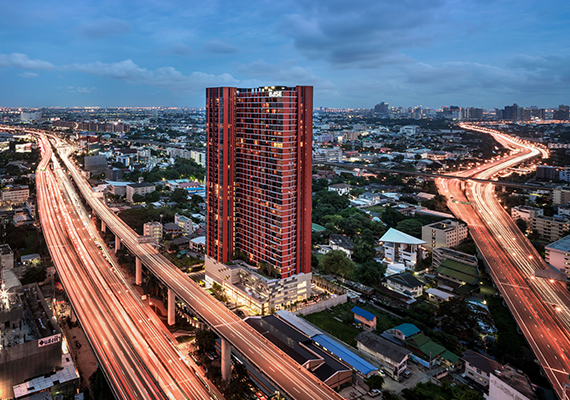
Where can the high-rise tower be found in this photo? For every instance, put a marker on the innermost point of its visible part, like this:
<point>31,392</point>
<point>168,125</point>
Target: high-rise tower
<point>258,193</point>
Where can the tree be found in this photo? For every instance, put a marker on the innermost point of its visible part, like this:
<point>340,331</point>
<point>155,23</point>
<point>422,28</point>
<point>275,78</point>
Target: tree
<point>336,262</point>
<point>137,198</point>
<point>205,341</point>
<point>314,261</point>
<point>152,197</point>
<point>521,223</point>
<point>370,273</point>
<point>391,217</point>
<point>363,252</point>
<point>375,382</point>
<point>411,227</point>
<point>179,195</point>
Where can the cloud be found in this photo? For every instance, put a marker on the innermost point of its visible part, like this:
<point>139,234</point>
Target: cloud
<point>165,77</point>
<point>19,60</point>
<point>361,33</point>
<point>285,72</point>
<point>181,49</point>
<point>78,89</point>
<point>218,47</point>
<point>105,27</point>
<point>28,75</point>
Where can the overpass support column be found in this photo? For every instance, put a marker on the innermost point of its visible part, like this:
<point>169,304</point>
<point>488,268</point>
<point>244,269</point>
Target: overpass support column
<point>117,243</point>
<point>171,305</point>
<point>138,271</point>
<point>103,226</point>
<point>226,360</point>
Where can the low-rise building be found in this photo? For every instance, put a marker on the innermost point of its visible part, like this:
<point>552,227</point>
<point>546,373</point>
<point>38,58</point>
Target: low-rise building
<point>546,173</point>
<point>508,383</point>
<point>153,229</point>
<point>327,155</point>
<point>184,222</point>
<point>6,257</point>
<point>550,228</point>
<point>401,248</point>
<point>172,229</point>
<point>526,213</point>
<point>341,242</point>
<point>365,318</point>
<point>478,367</point>
<point>446,233</point>
<point>437,296</point>
<point>404,283</point>
<point>394,358</point>
<point>199,157</point>
<point>557,254</point>
<point>459,273</point>
<point>440,254</point>
<point>15,194</point>
<point>340,188</point>
<point>140,188</point>
<point>561,196</point>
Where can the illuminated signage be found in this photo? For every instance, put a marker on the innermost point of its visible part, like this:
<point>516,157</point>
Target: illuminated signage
<point>49,340</point>
<point>275,93</point>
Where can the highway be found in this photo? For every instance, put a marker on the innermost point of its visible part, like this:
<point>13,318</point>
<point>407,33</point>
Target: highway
<point>539,306</point>
<point>293,380</point>
<point>137,352</point>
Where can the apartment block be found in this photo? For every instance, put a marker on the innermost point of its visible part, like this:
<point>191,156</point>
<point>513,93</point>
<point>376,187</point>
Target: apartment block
<point>551,228</point>
<point>446,233</point>
<point>526,213</point>
<point>15,194</point>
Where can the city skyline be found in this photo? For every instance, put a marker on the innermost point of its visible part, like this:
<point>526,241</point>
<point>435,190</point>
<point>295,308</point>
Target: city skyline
<point>474,53</point>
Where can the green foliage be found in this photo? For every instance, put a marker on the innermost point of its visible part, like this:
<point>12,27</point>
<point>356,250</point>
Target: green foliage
<point>182,169</point>
<point>205,341</point>
<point>99,387</point>
<point>136,217</point>
<point>320,184</point>
<point>391,217</point>
<point>430,391</point>
<point>137,198</point>
<point>34,274</point>
<point>336,262</point>
<point>363,252</point>
<point>329,198</point>
<point>151,197</point>
<point>411,227</point>
<point>179,195</point>
<point>375,382</point>
<point>521,224</point>
<point>370,273</point>
<point>438,203</point>
<point>408,199</point>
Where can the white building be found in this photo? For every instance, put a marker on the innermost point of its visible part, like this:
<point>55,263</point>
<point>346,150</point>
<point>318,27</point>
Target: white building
<point>16,194</point>
<point>340,188</point>
<point>199,157</point>
<point>478,367</point>
<point>394,358</point>
<point>508,384</point>
<point>526,213</point>
<point>557,254</point>
<point>153,229</point>
<point>401,248</point>
<point>327,155</point>
<point>184,222</point>
<point>140,188</point>
<point>6,257</point>
<point>560,196</point>
<point>410,130</point>
<point>446,233</point>
<point>405,283</point>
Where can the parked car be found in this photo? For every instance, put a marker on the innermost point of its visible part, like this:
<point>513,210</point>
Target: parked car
<point>407,374</point>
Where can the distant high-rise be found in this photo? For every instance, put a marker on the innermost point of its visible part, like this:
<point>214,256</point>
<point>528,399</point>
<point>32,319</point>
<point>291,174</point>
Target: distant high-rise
<point>563,113</point>
<point>382,108</point>
<point>513,113</point>
<point>258,193</point>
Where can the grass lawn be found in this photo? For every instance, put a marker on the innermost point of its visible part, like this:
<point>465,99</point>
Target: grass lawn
<point>32,244</point>
<point>377,209</point>
<point>343,329</point>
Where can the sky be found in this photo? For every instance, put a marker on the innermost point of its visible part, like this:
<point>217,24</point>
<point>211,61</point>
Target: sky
<point>357,53</point>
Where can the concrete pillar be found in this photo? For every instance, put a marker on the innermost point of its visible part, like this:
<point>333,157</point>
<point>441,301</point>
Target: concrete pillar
<point>103,226</point>
<point>117,243</point>
<point>171,305</point>
<point>138,271</point>
<point>226,360</point>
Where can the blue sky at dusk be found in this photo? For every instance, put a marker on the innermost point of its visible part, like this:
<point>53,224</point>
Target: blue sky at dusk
<point>482,53</point>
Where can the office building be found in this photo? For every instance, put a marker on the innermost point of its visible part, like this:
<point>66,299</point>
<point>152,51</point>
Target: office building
<point>546,173</point>
<point>550,228</point>
<point>382,108</point>
<point>184,222</point>
<point>526,213</point>
<point>153,229</point>
<point>446,233</point>
<point>509,383</point>
<point>440,254</point>
<point>258,193</point>
<point>15,194</point>
<point>140,188</point>
<point>562,114</point>
<point>96,164</point>
<point>333,154</point>
<point>401,248</point>
<point>199,157</point>
<point>557,254</point>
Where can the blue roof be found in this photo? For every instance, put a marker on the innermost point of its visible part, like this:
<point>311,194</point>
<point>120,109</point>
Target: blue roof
<point>362,366</point>
<point>363,313</point>
<point>408,329</point>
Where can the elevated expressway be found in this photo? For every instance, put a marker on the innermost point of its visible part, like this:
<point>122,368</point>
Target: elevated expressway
<point>293,380</point>
<point>136,352</point>
<point>540,307</point>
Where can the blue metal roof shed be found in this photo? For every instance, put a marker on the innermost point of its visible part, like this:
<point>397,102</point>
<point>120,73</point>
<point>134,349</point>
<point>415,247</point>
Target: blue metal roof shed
<point>363,313</point>
<point>357,363</point>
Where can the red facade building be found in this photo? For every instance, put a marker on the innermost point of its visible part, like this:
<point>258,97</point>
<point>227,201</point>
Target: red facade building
<point>258,193</point>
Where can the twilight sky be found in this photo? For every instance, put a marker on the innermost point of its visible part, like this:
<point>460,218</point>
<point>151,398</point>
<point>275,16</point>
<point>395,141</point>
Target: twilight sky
<point>481,53</point>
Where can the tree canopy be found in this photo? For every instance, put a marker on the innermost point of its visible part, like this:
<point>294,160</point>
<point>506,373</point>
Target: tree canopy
<point>336,262</point>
